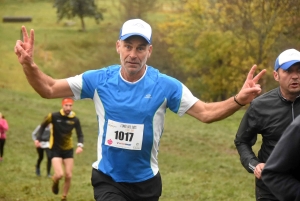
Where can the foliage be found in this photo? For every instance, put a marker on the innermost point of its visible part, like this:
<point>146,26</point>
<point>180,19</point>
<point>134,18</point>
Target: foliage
<point>25,1</point>
<point>264,27</point>
<point>197,161</point>
<point>219,41</point>
<point>130,9</point>
<point>203,53</point>
<point>81,8</point>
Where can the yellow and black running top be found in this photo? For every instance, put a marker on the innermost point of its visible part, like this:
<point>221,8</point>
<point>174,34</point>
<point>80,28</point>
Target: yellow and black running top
<point>63,125</point>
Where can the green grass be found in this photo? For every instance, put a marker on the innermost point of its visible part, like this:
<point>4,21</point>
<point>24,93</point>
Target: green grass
<point>197,161</point>
<point>18,182</point>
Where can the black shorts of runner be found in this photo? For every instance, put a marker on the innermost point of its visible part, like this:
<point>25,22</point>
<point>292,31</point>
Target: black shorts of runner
<point>105,189</point>
<point>62,153</point>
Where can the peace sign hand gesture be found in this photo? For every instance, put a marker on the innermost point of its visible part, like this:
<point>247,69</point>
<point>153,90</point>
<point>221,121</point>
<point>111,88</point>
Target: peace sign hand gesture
<point>250,89</point>
<point>24,49</point>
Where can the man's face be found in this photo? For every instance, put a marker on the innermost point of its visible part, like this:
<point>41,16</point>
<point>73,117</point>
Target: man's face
<point>134,53</point>
<point>67,108</point>
<point>289,81</point>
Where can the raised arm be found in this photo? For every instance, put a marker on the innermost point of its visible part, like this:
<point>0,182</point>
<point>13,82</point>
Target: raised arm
<point>44,85</point>
<point>210,112</point>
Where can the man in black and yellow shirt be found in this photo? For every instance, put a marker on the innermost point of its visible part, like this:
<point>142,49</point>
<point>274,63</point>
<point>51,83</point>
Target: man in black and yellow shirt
<point>61,144</point>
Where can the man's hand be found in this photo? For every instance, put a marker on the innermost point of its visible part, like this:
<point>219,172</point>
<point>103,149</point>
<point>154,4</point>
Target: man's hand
<point>24,49</point>
<point>250,89</point>
<point>258,169</point>
<point>79,150</point>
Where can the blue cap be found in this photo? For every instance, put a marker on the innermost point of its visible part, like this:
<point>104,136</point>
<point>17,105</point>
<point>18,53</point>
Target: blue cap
<point>286,59</point>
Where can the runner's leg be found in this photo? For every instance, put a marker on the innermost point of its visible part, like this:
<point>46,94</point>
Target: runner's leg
<point>40,157</point>
<point>48,153</point>
<point>58,173</point>
<point>2,143</point>
<point>68,163</point>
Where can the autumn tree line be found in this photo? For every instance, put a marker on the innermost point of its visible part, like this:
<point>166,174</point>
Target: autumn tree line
<point>209,45</point>
<point>213,43</point>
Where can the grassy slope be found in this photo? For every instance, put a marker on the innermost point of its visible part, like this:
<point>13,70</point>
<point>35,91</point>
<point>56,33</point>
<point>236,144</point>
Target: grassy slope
<point>197,161</point>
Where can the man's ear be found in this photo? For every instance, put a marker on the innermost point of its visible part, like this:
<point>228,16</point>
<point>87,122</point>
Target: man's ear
<point>118,46</point>
<point>150,51</point>
<point>275,75</point>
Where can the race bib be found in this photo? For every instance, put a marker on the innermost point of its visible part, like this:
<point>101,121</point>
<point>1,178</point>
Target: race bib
<point>124,136</point>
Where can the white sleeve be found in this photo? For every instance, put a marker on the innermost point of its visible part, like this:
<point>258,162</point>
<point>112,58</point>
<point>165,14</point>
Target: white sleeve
<point>187,100</point>
<point>35,132</point>
<point>75,84</point>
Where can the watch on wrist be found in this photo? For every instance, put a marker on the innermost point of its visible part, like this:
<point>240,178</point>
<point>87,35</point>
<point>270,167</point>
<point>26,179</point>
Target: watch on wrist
<point>80,145</point>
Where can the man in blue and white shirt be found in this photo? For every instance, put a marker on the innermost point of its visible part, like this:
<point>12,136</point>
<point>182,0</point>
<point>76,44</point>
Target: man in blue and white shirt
<point>130,100</point>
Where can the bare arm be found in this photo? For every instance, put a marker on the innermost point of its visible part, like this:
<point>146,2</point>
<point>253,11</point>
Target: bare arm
<point>44,85</point>
<point>210,112</point>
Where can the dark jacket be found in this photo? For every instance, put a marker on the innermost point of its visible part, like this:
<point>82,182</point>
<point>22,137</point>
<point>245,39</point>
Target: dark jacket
<point>282,170</point>
<point>269,115</point>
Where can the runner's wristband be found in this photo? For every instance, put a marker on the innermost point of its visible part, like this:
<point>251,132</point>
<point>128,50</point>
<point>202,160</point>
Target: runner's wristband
<point>234,98</point>
<point>80,145</point>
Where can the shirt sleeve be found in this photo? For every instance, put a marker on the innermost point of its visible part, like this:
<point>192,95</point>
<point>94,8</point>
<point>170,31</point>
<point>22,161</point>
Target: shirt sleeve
<point>246,137</point>
<point>187,101</point>
<point>284,159</point>
<point>79,132</point>
<point>76,86</point>
<point>44,124</point>
<point>34,133</point>
<point>180,98</point>
<point>84,85</point>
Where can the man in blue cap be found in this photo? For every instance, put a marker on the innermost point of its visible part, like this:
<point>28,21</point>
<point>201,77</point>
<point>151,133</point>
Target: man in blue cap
<point>269,115</point>
<point>131,101</point>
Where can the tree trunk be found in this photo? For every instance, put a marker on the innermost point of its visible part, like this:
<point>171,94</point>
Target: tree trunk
<point>82,23</point>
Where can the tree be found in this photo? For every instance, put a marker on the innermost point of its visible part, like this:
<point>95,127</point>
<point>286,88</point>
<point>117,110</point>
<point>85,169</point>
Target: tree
<point>137,8</point>
<point>81,8</point>
<point>263,27</point>
<point>219,40</point>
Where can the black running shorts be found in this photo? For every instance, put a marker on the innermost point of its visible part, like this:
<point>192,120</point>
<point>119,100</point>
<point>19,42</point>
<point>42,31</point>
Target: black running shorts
<point>105,189</point>
<point>62,153</point>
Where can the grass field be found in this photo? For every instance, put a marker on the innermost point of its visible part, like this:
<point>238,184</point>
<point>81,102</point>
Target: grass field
<point>198,162</point>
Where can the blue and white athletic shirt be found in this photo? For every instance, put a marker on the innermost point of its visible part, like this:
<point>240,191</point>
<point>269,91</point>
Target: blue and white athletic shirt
<point>130,118</point>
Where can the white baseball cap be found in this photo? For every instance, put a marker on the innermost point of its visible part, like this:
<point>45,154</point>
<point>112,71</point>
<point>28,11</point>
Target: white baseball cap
<point>286,59</point>
<point>136,27</point>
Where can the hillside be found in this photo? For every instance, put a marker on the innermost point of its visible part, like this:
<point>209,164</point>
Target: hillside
<point>197,161</point>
